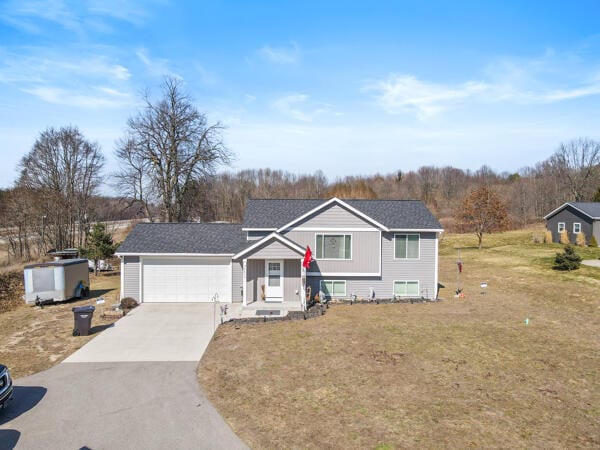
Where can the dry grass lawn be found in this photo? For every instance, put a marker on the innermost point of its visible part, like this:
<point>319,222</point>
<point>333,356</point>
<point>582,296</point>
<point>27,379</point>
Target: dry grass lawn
<point>33,339</point>
<point>457,373</point>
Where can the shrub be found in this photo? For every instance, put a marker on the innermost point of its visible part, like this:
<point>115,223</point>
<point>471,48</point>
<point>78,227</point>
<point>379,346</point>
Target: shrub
<point>564,237</point>
<point>547,237</point>
<point>593,241</point>
<point>128,303</point>
<point>567,260</point>
<point>580,239</point>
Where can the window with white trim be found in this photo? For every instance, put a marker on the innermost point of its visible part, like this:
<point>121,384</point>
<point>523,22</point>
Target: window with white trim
<point>406,289</point>
<point>333,288</point>
<point>333,246</point>
<point>406,246</point>
<point>576,227</point>
<point>561,227</point>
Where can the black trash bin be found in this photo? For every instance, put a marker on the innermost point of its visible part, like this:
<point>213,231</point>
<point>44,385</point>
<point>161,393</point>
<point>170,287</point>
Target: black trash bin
<point>83,320</point>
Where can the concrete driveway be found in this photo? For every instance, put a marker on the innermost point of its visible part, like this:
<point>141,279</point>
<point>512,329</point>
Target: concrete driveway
<point>132,387</point>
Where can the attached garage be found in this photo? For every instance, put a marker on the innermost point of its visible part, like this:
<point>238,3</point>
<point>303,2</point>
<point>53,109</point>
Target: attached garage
<point>185,279</point>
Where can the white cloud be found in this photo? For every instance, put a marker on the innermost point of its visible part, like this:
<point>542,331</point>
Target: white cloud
<point>104,98</point>
<point>401,93</point>
<point>552,77</point>
<point>157,67</point>
<point>280,55</point>
<point>296,106</point>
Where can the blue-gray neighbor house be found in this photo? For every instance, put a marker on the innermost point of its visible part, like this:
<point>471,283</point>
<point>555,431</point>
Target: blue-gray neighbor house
<point>575,218</point>
<point>361,248</point>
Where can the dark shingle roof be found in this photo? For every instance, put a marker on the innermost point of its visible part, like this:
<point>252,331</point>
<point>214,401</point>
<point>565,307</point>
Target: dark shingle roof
<point>592,209</point>
<point>184,238</point>
<point>393,214</point>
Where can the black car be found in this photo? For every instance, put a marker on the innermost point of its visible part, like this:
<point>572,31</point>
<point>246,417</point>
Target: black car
<point>6,386</point>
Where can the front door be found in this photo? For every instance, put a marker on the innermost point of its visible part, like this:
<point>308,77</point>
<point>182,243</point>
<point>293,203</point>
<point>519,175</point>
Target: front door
<point>274,281</point>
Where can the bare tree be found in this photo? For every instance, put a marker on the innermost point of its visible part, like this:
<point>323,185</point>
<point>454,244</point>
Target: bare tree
<point>63,171</point>
<point>576,165</point>
<point>483,212</point>
<point>169,147</point>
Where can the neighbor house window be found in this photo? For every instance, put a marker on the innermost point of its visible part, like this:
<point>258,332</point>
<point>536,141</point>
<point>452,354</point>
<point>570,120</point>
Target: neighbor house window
<point>334,246</point>
<point>406,288</point>
<point>334,288</point>
<point>561,227</point>
<point>576,228</point>
<point>406,246</point>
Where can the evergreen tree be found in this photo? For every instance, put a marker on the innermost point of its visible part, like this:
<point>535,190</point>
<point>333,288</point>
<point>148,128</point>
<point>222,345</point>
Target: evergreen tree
<point>568,260</point>
<point>100,245</point>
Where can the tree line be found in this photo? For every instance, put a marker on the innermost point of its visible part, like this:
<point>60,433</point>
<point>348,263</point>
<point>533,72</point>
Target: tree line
<point>172,163</point>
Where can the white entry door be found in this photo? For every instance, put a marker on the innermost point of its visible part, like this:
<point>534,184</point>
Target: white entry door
<point>274,281</point>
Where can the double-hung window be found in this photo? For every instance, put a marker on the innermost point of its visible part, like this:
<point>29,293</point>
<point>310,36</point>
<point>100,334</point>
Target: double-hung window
<point>577,227</point>
<point>406,289</point>
<point>334,246</point>
<point>334,288</point>
<point>561,227</point>
<point>406,246</point>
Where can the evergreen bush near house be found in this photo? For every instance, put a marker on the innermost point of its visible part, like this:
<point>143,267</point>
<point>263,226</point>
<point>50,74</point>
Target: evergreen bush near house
<point>564,237</point>
<point>580,239</point>
<point>567,260</point>
<point>593,241</point>
<point>548,237</point>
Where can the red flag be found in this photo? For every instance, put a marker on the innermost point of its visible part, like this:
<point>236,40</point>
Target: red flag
<point>307,258</point>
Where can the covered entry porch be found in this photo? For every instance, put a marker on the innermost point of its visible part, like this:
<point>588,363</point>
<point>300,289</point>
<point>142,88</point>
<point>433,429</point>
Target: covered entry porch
<point>272,274</point>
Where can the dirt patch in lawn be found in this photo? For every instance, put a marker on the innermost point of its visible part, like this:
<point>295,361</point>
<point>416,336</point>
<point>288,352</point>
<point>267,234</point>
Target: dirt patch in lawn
<point>458,373</point>
<point>33,339</point>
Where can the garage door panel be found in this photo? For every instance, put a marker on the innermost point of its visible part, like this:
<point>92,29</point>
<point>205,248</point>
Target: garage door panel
<point>186,279</point>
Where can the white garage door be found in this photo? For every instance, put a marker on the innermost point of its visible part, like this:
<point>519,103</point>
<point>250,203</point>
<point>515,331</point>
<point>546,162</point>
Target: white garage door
<point>186,279</point>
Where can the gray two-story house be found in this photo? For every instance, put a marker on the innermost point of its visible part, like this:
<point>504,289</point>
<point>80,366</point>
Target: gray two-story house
<point>360,249</point>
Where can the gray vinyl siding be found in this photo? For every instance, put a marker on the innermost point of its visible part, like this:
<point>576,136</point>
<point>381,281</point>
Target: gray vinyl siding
<point>422,270</point>
<point>365,252</point>
<point>274,249</point>
<point>237,281</point>
<point>255,275</point>
<point>291,280</point>
<point>255,269</point>
<point>334,216</point>
<point>131,277</point>
<point>256,235</point>
<point>569,215</point>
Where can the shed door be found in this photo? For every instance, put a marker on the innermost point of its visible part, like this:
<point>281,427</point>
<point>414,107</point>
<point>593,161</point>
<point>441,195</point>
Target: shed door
<point>186,279</point>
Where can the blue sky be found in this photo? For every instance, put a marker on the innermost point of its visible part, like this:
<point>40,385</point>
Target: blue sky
<point>345,87</point>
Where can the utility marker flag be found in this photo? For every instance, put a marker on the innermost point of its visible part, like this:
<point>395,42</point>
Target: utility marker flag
<point>307,258</point>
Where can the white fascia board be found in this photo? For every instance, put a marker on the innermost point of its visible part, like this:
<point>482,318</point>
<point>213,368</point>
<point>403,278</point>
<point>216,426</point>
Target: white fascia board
<point>327,203</point>
<point>174,254</point>
<point>341,274</point>
<point>417,230</point>
<point>563,206</point>
<point>273,235</point>
<point>259,229</point>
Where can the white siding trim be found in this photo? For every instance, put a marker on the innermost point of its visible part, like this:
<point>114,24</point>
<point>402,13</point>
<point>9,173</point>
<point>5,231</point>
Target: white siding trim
<point>336,229</point>
<point>563,206</point>
<point>122,261</point>
<point>435,278</point>
<point>245,281</point>
<point>141,269</point>
<point>276,236</point>
<point>416,230</point>
<point>342,274</point>
<point>259,229</point>
<point>174,254</point>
